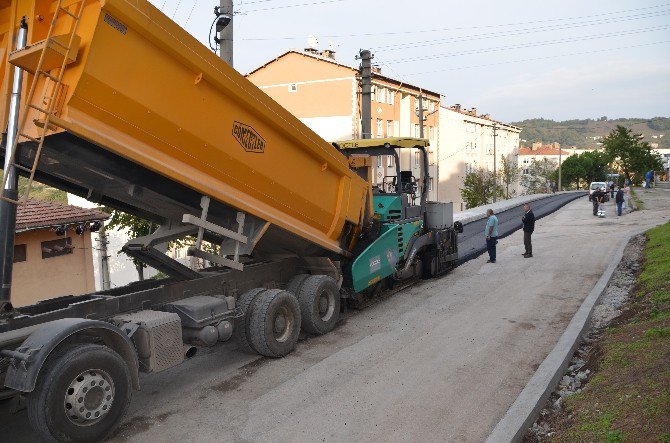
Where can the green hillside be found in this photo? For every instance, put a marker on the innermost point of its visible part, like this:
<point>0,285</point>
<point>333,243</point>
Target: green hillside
<point>41,191</point>
<point>586,133</point>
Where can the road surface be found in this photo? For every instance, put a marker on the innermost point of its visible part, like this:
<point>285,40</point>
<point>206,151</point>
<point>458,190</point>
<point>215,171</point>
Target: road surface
<point>440,361</point>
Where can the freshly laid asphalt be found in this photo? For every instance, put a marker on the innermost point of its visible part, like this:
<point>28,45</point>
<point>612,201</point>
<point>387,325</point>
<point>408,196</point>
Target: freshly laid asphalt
<point>442,360</point>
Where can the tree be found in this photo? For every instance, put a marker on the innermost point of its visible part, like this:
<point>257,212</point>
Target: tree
<point>135,226</point>
<point>573,170</point>
<point>632,156</point>
<point>509,172</point>
<point>539,177</point>
<point>478,187</point>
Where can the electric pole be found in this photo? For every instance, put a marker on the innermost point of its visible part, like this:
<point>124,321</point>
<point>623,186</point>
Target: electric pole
<point>495,173</point>
<point>420,114</point>
<point>366,92</point>
<point>559,168</point>
<point>226,32</point>
<point>103,259</point>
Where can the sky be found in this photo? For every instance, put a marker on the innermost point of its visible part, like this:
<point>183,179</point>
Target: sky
<point>514,59</point>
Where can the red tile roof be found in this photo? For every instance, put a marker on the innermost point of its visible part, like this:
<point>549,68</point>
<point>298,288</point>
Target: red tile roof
<point>36,214</point>
<point>544,150</point>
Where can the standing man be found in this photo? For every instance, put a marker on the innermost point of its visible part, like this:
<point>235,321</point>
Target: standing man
<point>619,201</point>
<point>528,221</point>
<point>595,199</point>
<point>648,177</point>
<point>491,231</point>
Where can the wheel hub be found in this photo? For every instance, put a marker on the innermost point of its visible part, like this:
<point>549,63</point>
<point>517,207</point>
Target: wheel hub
<point>89,397</point>
<point>283,324</point>
<point>326,305</point>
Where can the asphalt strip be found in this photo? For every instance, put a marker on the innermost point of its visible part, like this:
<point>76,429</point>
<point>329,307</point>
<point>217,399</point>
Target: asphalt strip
<point>526,408</point>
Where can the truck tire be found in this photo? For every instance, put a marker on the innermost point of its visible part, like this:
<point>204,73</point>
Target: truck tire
<point>81,395</point>
<point>296,282</point>
<point>319,300</point>
<point>275,323</point>
<point>242,327</point>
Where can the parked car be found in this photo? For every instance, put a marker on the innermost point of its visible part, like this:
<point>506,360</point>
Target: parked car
<point>602,186</point>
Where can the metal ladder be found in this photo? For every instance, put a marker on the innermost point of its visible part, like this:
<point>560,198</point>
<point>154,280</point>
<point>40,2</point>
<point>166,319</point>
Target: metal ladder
<point>48,98</point>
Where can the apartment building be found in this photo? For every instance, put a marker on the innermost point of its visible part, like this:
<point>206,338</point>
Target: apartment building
<point>539,151</point>
<point>325,95</point>
<point>466,141</point>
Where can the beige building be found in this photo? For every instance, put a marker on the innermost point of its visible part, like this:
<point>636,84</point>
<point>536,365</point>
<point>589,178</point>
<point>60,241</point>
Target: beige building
<point>50,258</point>
<point>466,142</point>
<point>538,151</point>
<point>325,95</point>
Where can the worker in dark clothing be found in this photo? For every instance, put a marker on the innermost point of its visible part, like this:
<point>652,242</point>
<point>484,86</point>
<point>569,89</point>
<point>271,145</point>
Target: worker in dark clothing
<point>597,198</point>
<point>619,200</point>
<point>528,221</point>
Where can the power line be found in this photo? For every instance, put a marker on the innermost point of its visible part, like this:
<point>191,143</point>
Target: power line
<point>195,2</point>
<point>511,33</point>
<point>528,45</point>
<point>539,58</point>
<point>295,5</point>
<point>468,28</point>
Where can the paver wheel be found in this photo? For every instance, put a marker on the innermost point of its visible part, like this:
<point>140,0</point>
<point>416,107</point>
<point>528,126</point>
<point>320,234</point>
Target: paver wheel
<point>81,395</point>
<point>242,327</point>
<point>275,323</point>
<point>319,300</point>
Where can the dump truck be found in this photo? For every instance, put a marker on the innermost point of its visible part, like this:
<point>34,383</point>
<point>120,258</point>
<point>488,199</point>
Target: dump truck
<point>112,101</point>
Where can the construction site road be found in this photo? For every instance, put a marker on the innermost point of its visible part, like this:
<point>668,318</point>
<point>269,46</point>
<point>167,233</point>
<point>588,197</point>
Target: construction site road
<point>440,361</point>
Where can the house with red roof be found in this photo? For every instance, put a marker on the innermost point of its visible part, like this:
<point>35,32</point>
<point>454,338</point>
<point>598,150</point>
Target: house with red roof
<point>538,151</point>
<point>53,251</point>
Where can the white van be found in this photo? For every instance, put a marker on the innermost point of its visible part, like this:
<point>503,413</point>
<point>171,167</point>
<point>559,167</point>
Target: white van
<point>602,186</point>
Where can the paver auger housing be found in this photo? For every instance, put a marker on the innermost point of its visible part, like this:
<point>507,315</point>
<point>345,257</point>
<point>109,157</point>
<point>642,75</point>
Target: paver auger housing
<point>120,105</point>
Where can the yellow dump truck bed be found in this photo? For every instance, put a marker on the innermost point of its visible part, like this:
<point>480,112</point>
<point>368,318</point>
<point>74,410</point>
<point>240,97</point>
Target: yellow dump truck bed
<point>148,120</point>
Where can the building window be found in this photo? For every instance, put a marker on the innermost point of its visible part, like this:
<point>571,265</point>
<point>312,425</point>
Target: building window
<point>416,130</point>
<point>391,97</point>
<point>431,106</point>
<point>54,248</point>
<point>380,133</point>
<point>389,128</point>
<point>525,171</point>
<point>417,158</point>
<point>292,87</point>
<point>19,253</point>
<point>379,161</point>
<point>391,160</point>
<point>430,184</point>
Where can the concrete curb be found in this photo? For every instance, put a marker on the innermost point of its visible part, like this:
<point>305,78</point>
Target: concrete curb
<point>527,406</point>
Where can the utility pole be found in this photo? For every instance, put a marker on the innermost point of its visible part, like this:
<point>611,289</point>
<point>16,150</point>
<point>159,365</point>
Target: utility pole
<point>420,113</point>
<point>226,32</point>
<point>11,189</point>
<point>103,259</point>
<point>366,92</point>
<point>495,160</point>
<point>560,163</point>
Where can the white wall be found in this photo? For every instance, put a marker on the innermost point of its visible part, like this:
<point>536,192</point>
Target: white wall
<point>121,268</point>
<point>331,129</point>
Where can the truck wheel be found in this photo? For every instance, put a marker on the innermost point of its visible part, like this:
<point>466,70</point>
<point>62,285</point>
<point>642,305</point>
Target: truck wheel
<point>81,395</point>
<point>242,327</point>
<point>275,323</point>
<point>296,282</point>
<point>319,301</point>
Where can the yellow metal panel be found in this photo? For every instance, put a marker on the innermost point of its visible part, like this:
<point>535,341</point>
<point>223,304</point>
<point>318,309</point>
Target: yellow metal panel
<point>142,88</point>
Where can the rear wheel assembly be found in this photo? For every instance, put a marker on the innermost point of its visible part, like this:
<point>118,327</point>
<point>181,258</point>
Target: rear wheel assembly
<point>242,331</point>
<point>274,323</point>
<point>319,300</point>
